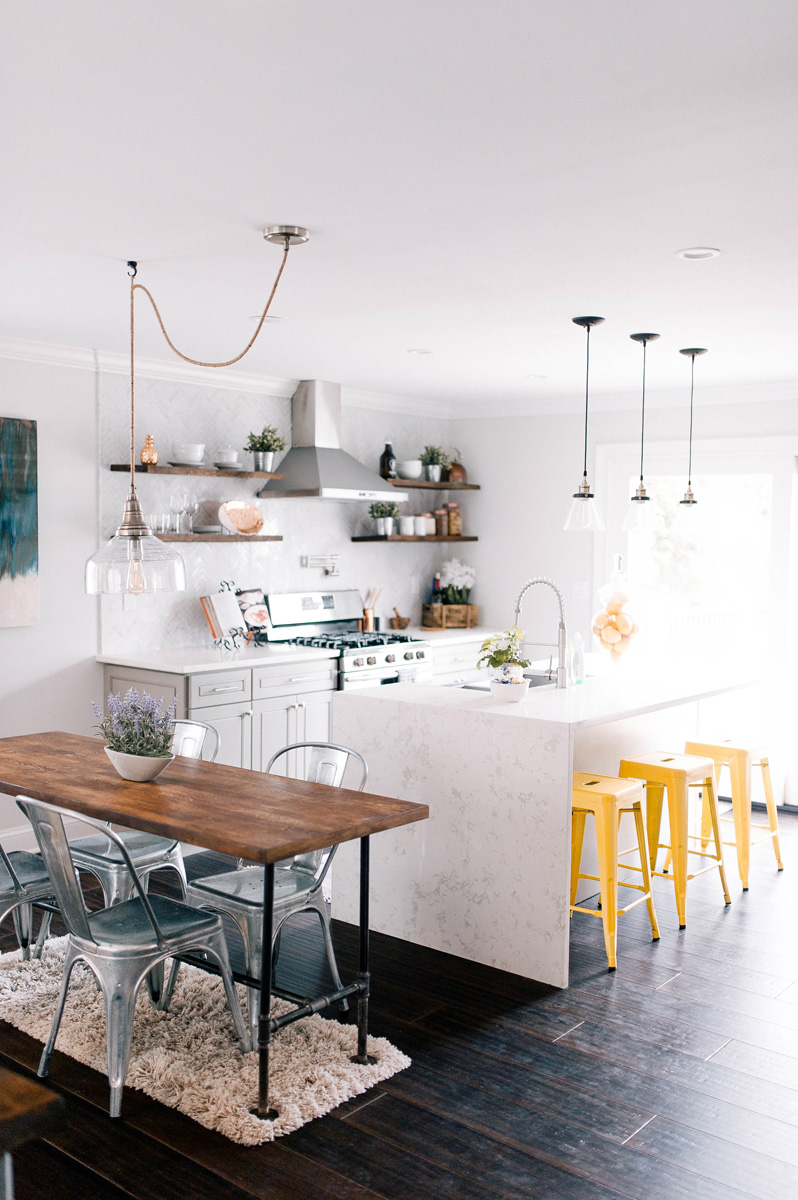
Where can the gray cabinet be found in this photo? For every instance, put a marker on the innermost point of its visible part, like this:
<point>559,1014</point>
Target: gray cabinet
<point>233,723</point>
<point>284,719</point>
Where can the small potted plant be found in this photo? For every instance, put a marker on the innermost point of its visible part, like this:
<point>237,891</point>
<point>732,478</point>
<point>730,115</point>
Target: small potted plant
<point>384,513</point>
<point>433,459</point>
<point>457,580</point>
<point>264,446</point>
<point>139,734</point>
<point>502,652</point>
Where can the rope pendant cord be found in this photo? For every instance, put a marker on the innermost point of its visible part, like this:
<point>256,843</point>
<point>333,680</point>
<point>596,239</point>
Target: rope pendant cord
<point>196,362</point>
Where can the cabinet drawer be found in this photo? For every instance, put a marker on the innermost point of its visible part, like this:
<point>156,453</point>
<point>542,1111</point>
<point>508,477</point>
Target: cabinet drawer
<point>220,687</point>
<point>286,681</point>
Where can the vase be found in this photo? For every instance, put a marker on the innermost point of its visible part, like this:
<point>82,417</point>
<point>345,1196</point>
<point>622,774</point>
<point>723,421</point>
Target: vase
<point>137,767</point>
<point>264,460</point>
<point>389,524</point>
<point>457,473</point>
<point>380,525</point>
<point>508,690</point>
<point>432,472</point>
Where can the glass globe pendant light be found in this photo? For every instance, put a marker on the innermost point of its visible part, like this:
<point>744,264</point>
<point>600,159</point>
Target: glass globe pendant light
<point>583,514</point>
<point>134,561</point>
<point>689,500</point>
<point>640,516</point>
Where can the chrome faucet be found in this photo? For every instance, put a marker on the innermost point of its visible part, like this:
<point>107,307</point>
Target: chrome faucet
<point>562,674</point>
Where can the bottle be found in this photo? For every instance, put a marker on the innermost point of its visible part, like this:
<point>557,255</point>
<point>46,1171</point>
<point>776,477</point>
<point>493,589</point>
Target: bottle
<point>388,462</point>
<point>436,596</point>
<point>578,659</point>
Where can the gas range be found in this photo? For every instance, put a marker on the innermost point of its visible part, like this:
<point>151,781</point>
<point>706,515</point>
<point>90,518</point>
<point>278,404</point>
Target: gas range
<point>329,620</point>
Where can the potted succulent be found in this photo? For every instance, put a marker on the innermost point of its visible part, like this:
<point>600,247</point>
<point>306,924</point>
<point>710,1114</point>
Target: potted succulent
<point>433,459</point>
<point>502,652</point>
<point>384,513</point>
<point>264,446</point>
<point>138,733</point>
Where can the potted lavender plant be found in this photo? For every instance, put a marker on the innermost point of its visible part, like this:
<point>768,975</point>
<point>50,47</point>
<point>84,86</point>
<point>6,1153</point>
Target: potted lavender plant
<point>138,733</point>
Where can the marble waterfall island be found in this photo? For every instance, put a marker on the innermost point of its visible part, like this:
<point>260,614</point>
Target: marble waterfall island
<point>487,876</point>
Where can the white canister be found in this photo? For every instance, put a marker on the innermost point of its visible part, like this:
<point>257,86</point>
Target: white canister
<point>431,526</point>
<point>420,526</point>
<point>407,526</point>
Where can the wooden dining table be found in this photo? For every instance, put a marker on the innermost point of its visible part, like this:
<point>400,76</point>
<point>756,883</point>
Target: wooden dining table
<point>248,814</point>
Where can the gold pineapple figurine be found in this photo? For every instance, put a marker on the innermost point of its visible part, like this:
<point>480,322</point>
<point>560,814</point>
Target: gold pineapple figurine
<point>149,455</point>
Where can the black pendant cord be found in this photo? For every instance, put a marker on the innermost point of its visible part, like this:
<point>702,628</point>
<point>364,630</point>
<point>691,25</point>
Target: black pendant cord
<point>690,456</point>
<point>587,397</point>
<point>643,416</point>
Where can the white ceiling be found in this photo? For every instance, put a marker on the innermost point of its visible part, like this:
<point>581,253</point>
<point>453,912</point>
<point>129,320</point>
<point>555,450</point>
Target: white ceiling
<point>473,174</point>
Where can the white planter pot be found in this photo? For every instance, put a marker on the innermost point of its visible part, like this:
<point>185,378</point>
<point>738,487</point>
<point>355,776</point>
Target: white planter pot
<point>389,524</point>
<point>380,523</point>
<point>509,671</point>
<point>432,472</point>
<point>137,767</point>
<point>509,692</point>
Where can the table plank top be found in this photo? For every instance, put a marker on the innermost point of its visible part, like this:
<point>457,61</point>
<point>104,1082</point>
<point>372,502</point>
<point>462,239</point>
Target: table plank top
<point>249,814</point>
<point>27,1109</point>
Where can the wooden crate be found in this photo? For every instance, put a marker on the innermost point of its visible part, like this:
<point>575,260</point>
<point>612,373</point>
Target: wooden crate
<point>449,616</point>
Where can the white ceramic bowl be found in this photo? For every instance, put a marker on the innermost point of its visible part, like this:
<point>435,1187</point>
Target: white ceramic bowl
<point>409,470</point>
<point>227,455</point>
<point>188,452</point>
<point>509,692</point>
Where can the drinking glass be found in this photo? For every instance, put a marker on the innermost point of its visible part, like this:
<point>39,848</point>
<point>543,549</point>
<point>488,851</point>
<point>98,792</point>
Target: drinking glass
<point>177,503</point>
<point>191,509</point>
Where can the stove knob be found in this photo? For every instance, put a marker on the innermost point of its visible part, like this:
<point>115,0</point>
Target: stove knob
<point>408,654</point>
<point>390,658</point>
<point>371,660</point>
<point>359,662</point>
<point>419,653</point>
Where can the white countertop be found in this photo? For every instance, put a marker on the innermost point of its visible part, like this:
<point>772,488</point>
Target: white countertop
<point>604,698</point>
<point>193,659</point>
<point>449,637</point>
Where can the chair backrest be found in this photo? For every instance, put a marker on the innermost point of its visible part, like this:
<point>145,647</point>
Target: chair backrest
<point>322,762</point>
<point>48,825</point>
<point>190,738</point>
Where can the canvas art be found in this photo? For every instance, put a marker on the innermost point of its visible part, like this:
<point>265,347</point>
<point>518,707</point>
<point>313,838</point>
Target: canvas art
<point>19,523</point>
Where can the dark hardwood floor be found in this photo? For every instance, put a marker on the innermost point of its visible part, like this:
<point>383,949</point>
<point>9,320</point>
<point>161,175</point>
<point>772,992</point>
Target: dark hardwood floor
<point>675,1078</point>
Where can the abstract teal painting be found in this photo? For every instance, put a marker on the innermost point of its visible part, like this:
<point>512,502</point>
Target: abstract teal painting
<point>19,523</point>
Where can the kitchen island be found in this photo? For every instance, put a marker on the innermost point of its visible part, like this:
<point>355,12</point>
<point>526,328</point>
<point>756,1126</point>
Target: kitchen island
<point>487,877</point>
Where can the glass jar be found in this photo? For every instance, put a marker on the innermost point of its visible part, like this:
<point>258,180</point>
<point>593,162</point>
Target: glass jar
<point>454,519</point>
<point>441,522</point>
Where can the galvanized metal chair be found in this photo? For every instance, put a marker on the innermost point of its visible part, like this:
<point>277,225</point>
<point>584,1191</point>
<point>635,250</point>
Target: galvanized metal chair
<point>298,881</point>
<point>149,852</point>
<point>23,881</point>
<point>122,945</point>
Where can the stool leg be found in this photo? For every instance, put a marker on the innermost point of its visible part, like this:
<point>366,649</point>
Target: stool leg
<point>740,772</point>
<point>654,796</point>
<point>641,842</point>
<point>677,813</point>
<point>577,838</point>
<point>706,815</point>
<point>773,819</point>
<point>607,843</point>
<point>712,801</point>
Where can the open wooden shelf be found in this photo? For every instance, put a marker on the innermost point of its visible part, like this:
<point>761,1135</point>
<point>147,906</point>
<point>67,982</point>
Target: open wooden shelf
<point>398,537</point>
<point>145,470</point>
<point>219,537</point>
<point>433,487</point>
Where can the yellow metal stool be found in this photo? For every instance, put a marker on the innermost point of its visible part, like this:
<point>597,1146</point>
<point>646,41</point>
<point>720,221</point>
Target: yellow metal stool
<point>675,773</point>
<point>606,798</point>
<point>740,758</point>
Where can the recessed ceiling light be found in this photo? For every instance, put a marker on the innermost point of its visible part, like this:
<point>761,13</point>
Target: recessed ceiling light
<point>533,376</point>
<point>417,351</point>
<point>698,252</point>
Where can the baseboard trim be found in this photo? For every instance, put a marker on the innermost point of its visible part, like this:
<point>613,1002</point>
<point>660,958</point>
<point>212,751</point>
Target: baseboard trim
<point>22,837</point>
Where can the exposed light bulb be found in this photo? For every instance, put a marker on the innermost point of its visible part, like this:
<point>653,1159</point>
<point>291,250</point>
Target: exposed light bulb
<point>583,515</point>
<point>135,582</point>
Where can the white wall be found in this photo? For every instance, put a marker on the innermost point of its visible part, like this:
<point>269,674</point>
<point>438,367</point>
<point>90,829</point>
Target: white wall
<point>47,671</point>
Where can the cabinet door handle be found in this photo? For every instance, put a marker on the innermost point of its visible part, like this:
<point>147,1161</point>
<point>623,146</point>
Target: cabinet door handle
<point>248,713</point>
<point>302,678</point>
<point>300,706</point>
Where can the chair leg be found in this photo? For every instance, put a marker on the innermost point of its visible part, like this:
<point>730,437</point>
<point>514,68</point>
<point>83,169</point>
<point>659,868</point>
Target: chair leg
<point>607,843</point>
<point>773,819</point>
<point>120,987</point>
<point>578,817</point>
<point>169,986</point>
<point>44,930</point>
<point>321,908</point>
<point>22,916</point>
<point>217,947</point>
<point>640,826</point>
<point>72,957</point>
<point>712,801</point>
<point>740,772</point>
<point>155,985</point>
<point>116,884</point>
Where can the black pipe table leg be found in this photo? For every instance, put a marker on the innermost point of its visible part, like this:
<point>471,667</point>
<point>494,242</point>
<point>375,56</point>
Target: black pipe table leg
<point>363,975</point>
<point>264,1016</point>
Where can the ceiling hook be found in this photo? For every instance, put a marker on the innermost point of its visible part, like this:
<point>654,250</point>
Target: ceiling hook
<point>132,268</point>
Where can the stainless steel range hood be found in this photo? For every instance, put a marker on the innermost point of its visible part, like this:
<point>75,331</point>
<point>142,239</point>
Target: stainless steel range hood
<point>316,465</point>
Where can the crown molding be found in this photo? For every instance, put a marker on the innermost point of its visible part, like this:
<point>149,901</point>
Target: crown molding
<point>382,402</point>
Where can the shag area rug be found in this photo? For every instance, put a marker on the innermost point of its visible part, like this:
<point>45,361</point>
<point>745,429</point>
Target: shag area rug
<point>189,1058</point>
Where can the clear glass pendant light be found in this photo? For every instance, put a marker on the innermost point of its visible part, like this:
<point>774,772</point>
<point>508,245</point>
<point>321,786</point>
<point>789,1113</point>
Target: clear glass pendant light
<point>583,514</point>
<point>687,505</point>
<point>640,516</point>
<point>134,561</point>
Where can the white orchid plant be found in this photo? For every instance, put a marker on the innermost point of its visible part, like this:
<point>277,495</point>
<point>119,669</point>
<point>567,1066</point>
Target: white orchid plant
<point>457,580</point>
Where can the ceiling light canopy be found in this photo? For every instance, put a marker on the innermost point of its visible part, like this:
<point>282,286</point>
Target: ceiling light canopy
<point>696,253</point>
